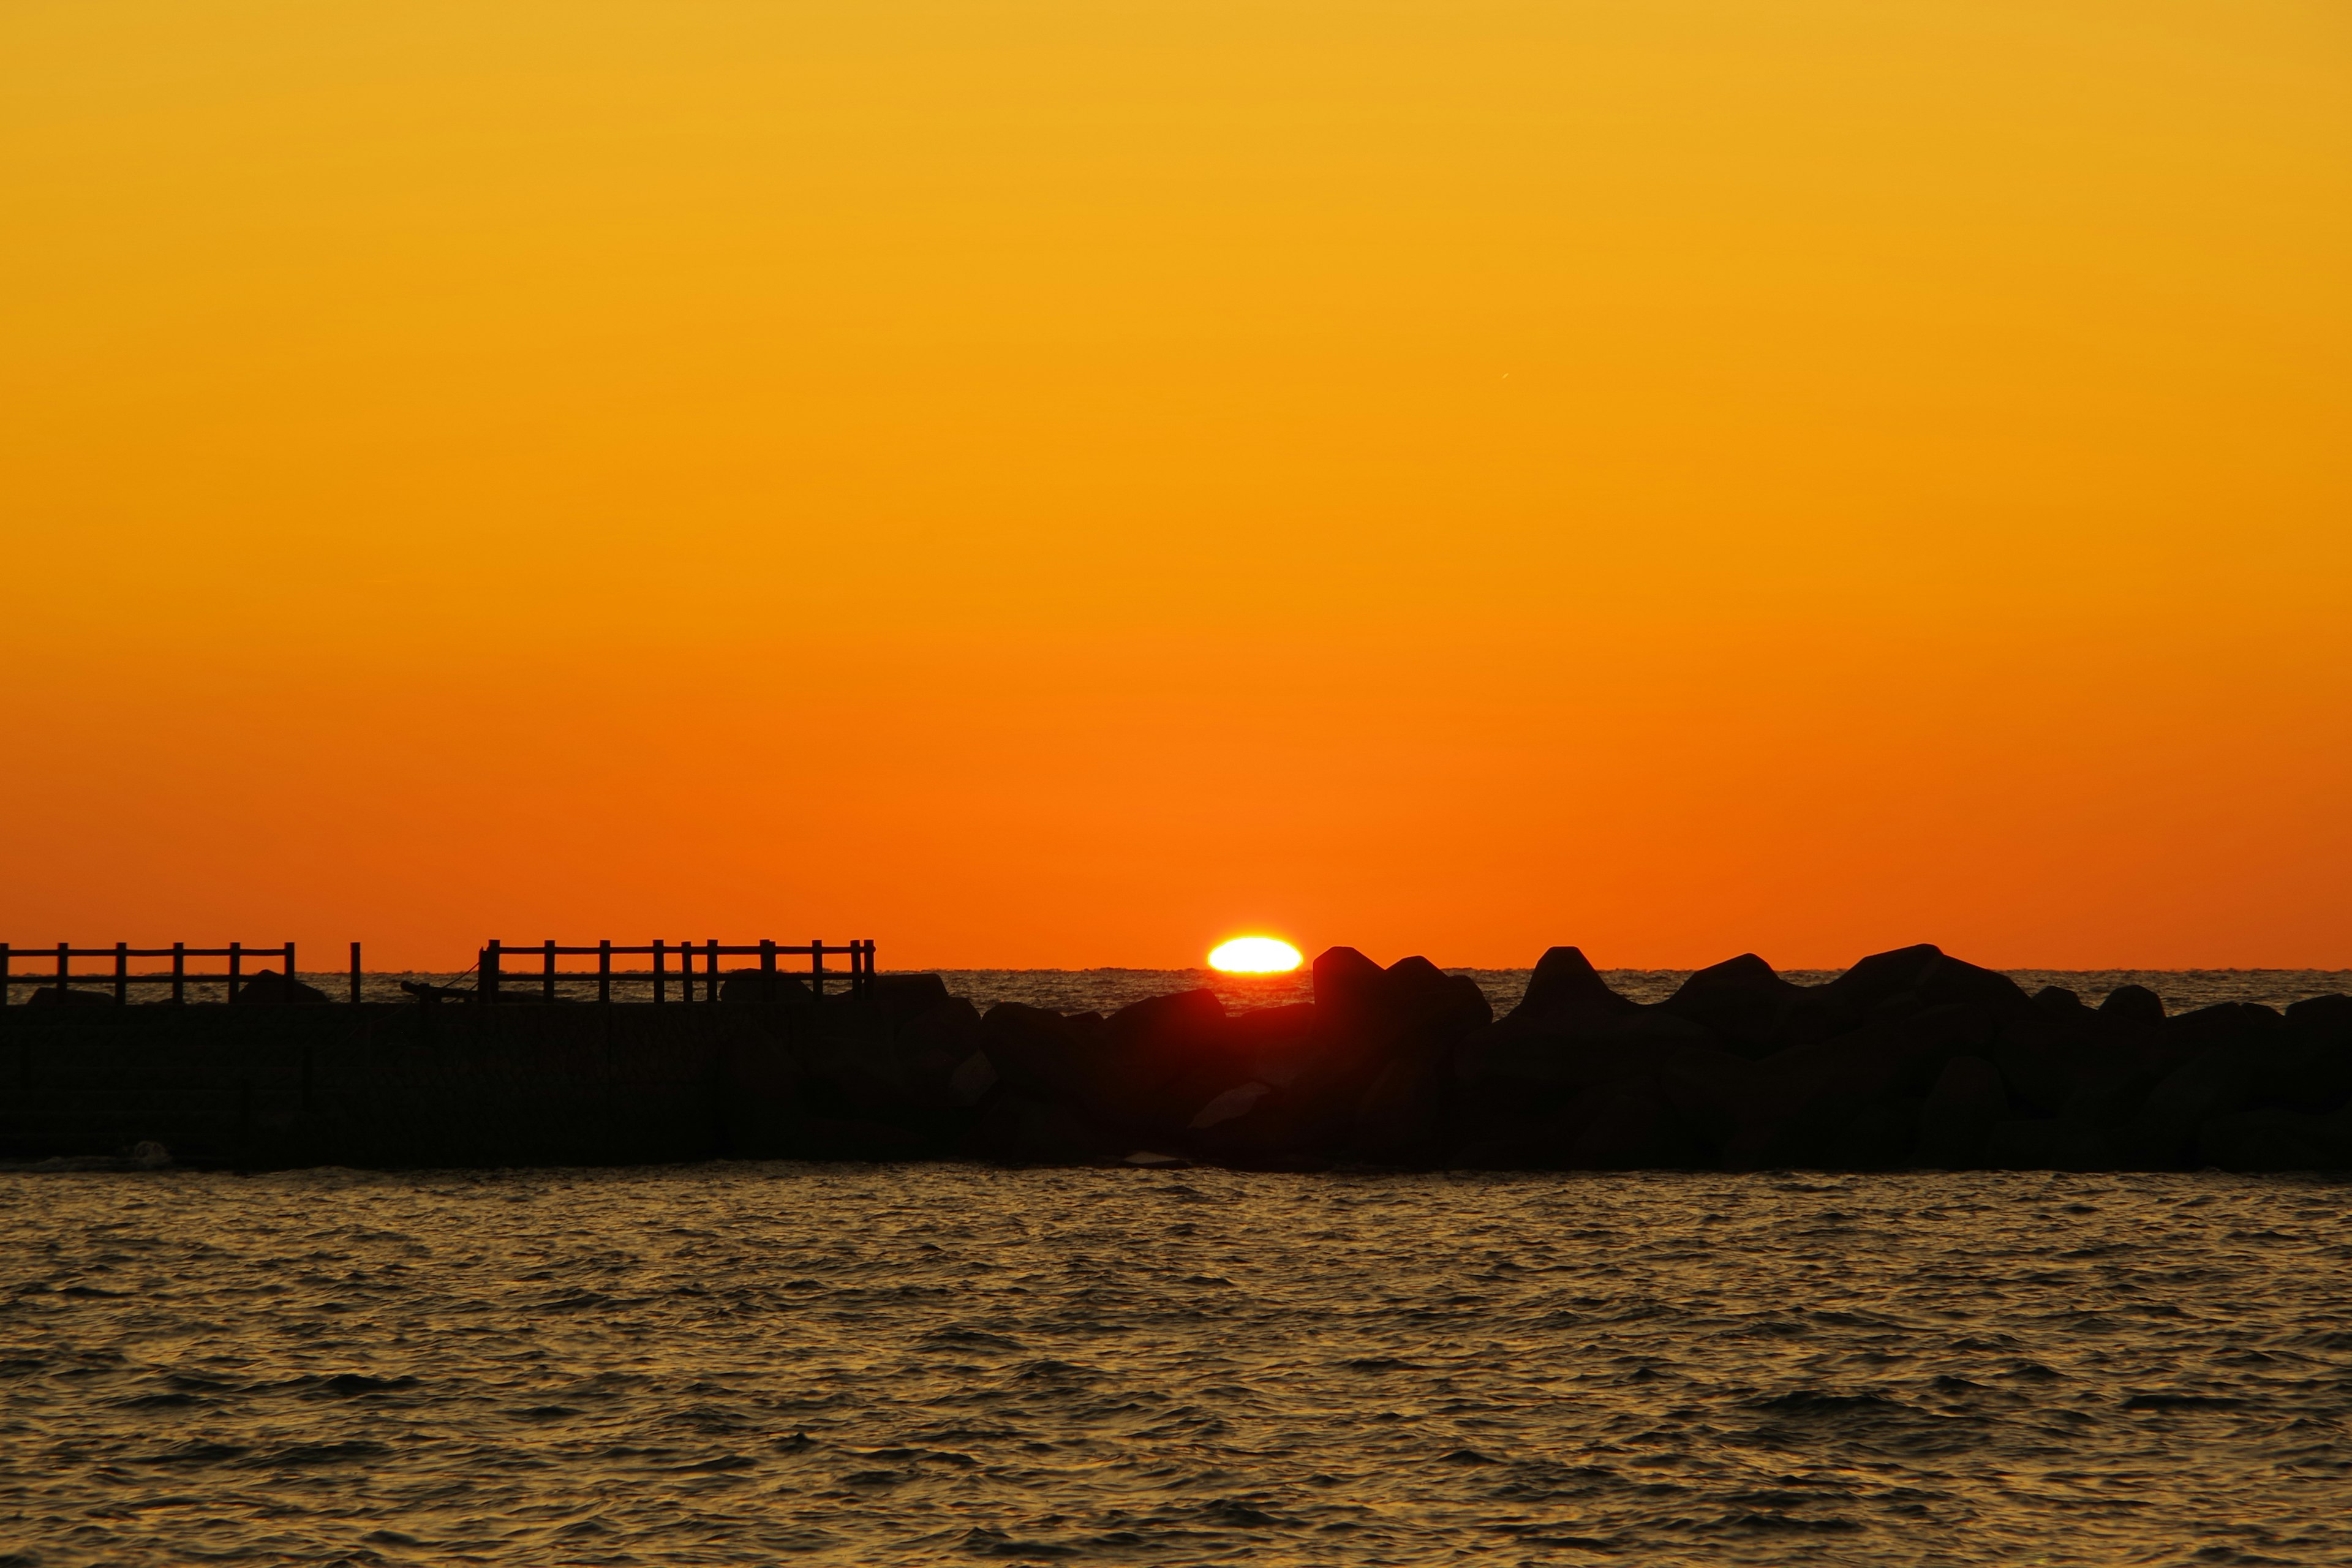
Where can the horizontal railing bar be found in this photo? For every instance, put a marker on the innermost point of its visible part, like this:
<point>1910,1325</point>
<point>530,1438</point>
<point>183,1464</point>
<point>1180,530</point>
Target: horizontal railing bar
<point>109,977</point>
<point>525,950</point>
<point>50,951</point>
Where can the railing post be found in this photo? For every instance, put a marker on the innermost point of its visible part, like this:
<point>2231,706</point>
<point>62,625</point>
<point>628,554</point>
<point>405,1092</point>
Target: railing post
<point>660,985</point>
<point>604,970</point>
<point>65,968</point>
<point>711,972</point>
<point>289,972</point>
<point>355,974</point>
<point>767,969</point>
<point>547,985</point>
<point>4,986</point>
<point>487,986</point>
<point>816,966</point>
<point>121,973</point>
<point>179,971</point>
<point>236,965</point>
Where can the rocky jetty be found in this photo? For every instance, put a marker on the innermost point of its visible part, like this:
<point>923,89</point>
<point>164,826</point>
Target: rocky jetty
<point>1911,1060</point>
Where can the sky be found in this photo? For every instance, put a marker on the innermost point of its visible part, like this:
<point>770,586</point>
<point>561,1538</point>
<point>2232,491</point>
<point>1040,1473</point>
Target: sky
<point>1061,482</point>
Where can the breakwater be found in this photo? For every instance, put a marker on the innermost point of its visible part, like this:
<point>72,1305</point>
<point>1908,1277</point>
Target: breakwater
<point>1909,1059</point>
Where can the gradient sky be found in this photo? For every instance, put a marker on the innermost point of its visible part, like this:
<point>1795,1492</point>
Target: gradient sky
<point>1058,483</point>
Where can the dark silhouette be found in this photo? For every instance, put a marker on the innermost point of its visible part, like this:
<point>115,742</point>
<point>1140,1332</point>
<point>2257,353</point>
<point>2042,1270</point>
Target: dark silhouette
<point>1910,1059</point>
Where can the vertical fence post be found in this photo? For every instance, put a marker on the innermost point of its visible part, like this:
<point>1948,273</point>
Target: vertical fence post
<point>121,973</point>
<point>179,971</point>
<point>711,972</point>
<point>767,969</point>
<point>289,972</point>
<point>235,966</point>
<point>604,970</point>
<point>660,985</point>
<point>65,968</point>
<point>547,985</point>
<point>487,987</point>
<point>816,966</point>
<point>355,974</point>
<point>4,986</point>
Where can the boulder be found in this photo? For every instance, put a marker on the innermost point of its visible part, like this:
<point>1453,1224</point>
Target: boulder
<point>931,1048</point>
<point>1564,992</point>
<point>270,989</point>
<point>763,985</point>
<point>1371,1013</point>
<point>974,1076</point>
<point>1402,1119</point>
<point>2322,1021</point>
<point>2311,1071</point>
<point>1257,1125</point>
<point>899,997</point>
<point>1960,1112</point>
<point>54,997</point>
<point>1913,980</point>
<point>2052,1143</point>
<point>2133,1005</point>
<point>1806,1097</point>
<point>1040,1054</point>
<point>2042,1060</point>
<point>1158,1055</point>
<point>1276,1043</point>
<point>2058,1003</point>
<point>1747,1007</point>
<point>1013,1128</point>
<point>1633,1124</point>
<point>2162,1136</point>
<point>2274,1140</point>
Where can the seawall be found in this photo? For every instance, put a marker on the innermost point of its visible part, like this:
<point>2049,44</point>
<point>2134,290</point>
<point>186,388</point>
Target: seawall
<point>1911,1060</point>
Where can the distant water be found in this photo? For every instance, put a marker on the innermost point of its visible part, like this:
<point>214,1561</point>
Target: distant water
<point>1107,990</point>
<point>881,1365</point>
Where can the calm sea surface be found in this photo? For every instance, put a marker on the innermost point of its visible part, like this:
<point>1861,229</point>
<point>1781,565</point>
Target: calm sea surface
<point>748,1364</point>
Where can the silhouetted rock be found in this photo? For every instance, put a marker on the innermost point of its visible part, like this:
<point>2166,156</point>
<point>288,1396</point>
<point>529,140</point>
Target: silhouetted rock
<point>1402,1119</point>
<point>2275,1140</point>
<point>2058,1003</point>
<point>1962,1111</point>
<point>1160,1055</point>
<point>51,996</point>
<point>1016,1130</point>
<point>1632,1124</point>
<point>2051,1144</point>
<point>2133,1005</point>
<point>1743,1002</point>
<point>762,985</point>
<point>2162,1136</point>
<point>1040,1053</point>
<point>1564,990</point>
<point>270,989</point>
<point>1371,1013</point>
<point>1914,979</point>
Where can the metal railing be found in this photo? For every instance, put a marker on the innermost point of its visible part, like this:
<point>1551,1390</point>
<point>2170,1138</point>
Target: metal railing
<point>494,975</point>
<point>121,977</point>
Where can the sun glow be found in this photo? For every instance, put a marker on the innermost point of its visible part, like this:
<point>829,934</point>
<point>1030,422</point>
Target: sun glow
<point>1254,955</point>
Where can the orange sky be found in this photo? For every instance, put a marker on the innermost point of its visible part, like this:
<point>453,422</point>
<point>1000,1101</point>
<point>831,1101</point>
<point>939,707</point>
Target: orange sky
<point>1056,483</point>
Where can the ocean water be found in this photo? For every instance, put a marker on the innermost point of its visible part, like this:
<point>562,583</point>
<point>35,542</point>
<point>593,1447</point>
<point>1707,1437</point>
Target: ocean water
<point>944,1364</point>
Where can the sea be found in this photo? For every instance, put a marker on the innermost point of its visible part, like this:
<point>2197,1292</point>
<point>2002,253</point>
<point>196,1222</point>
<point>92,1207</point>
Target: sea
<point>882,1365</point>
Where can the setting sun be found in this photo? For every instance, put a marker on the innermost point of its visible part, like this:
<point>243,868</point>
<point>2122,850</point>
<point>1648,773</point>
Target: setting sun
<point>1254,955</point>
